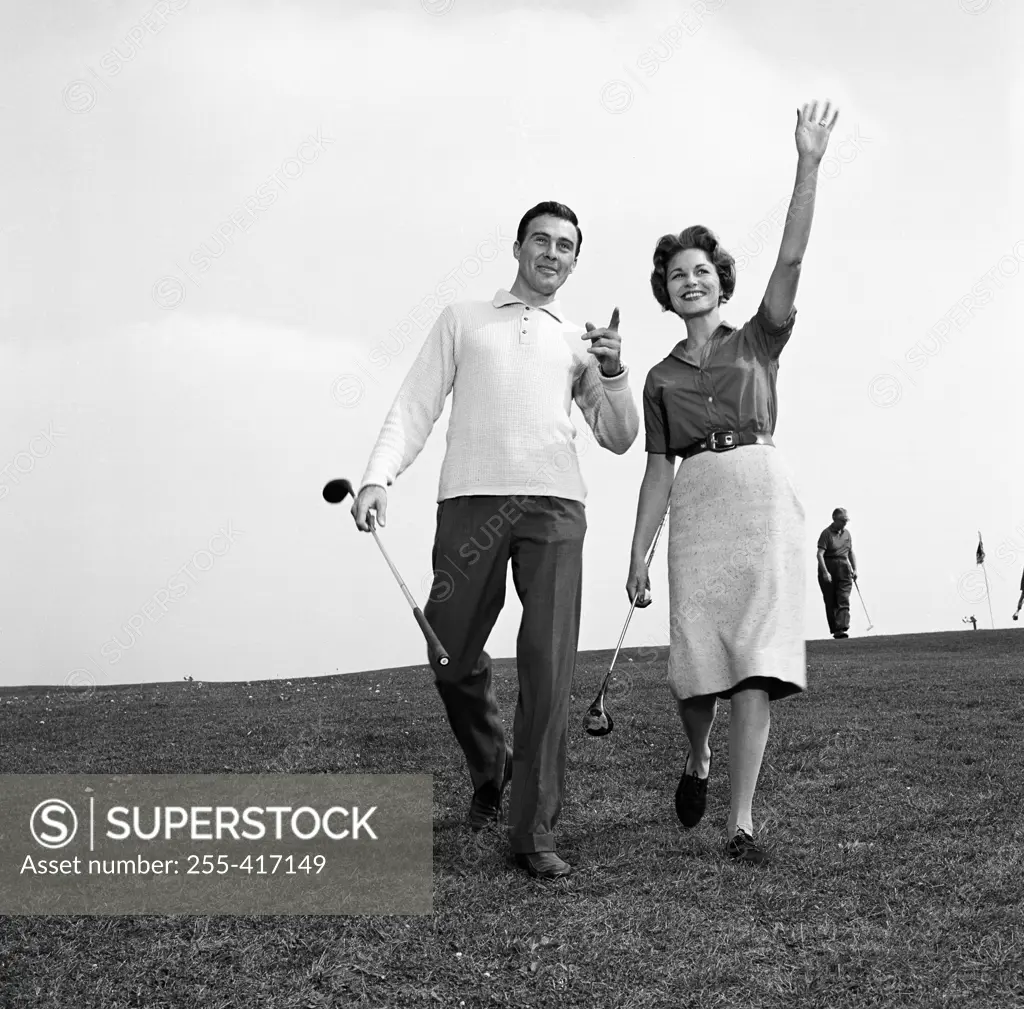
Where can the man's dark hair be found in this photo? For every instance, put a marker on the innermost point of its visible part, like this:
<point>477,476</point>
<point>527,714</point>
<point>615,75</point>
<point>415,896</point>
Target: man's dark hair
<point>551,209</point>
<point>837,513</point>
<point>695,237</point>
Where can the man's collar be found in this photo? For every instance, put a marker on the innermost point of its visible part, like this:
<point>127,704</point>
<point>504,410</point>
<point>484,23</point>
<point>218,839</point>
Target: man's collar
<point>724,329</point>
<point>504,298</point>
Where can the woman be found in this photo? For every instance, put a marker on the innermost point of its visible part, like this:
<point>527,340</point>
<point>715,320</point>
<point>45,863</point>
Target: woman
<point>736,528</point>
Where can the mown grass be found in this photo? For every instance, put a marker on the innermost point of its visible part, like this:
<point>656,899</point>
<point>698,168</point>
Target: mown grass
<point>890,801</point>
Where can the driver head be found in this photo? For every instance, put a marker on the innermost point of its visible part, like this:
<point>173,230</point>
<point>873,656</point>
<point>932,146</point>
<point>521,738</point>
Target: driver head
<point>337,490</point>
<point>598,723</point>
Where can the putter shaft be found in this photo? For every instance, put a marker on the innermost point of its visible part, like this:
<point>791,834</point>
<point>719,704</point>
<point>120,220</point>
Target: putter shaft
<point>857,587</point>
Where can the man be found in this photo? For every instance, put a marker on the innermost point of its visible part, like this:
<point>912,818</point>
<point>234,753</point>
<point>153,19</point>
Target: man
<point>837,571</point>
<point>510,490</point>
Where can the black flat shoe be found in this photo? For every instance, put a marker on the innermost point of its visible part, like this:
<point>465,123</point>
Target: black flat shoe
<point>743,848</point>
<point>485,807</point>
<point>692,796</point>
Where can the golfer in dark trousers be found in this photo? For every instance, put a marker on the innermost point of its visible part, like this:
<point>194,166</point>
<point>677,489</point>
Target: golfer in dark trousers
<point>837,571</point>
<point>511,490</point>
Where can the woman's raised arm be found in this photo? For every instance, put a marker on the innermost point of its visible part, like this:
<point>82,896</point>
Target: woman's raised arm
<point>812,132</point>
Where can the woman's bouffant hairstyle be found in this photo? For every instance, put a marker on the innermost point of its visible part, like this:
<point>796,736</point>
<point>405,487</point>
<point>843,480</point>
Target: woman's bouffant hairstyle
<point>695,237</point>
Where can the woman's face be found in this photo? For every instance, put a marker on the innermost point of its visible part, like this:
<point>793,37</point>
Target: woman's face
<point>692,282</point>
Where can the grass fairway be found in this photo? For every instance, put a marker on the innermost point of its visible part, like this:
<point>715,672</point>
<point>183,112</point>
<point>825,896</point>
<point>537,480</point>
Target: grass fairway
<point>890,801</point>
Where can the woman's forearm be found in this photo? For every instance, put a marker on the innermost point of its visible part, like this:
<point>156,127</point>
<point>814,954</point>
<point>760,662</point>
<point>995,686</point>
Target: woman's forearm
<point>652,503</point>
<point>797,231</point>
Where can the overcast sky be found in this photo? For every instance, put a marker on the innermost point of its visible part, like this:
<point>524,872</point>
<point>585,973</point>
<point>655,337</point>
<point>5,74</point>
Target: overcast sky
<point>226,230</point>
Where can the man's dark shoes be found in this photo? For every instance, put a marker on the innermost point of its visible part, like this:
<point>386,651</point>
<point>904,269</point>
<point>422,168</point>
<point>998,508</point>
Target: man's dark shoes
<point>840,634</point>
<point>485,807</point>
<point>692,796</point>
<point>543,865</point>
<point>743,848</point>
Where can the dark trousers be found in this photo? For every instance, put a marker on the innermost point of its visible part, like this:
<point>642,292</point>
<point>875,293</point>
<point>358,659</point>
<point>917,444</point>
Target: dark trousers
<point>837,594</point>
<point>476,538</point>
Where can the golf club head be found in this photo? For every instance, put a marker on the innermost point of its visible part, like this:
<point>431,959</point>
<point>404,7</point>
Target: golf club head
<point>599,724</point>
<point>598,721</point>
<point>335,491</point>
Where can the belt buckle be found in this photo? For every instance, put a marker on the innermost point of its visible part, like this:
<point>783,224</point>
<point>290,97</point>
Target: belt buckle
<point>728,441</point>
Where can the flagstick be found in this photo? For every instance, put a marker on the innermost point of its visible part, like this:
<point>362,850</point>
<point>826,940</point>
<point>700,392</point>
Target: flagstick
<point>987,596</point>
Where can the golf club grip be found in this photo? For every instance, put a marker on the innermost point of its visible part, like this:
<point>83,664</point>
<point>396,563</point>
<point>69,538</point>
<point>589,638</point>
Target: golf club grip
<point>432,638</point>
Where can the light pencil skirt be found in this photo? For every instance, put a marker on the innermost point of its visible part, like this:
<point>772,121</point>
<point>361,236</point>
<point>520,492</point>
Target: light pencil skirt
<point>737,575</point>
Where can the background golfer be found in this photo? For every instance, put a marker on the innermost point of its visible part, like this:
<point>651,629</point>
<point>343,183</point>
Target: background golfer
<point>736,527</point>
<point>510,491</point>
<point>837,571</point>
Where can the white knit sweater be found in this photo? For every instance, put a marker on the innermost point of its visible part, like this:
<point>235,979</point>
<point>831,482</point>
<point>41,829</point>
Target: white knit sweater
<point>514,372</point>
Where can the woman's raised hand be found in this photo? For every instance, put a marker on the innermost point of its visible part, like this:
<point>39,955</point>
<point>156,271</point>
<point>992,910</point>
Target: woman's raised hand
<point>813,128</point>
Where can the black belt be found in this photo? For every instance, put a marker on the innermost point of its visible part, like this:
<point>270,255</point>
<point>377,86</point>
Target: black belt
<point>722,441</point>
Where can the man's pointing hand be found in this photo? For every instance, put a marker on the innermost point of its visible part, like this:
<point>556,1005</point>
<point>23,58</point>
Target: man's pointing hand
<point>606,345</point>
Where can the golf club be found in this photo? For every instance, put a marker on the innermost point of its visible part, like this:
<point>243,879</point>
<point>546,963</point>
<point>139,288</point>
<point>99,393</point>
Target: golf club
<point>598,721</point>
<point>335,491</point>
<point>870,624</point>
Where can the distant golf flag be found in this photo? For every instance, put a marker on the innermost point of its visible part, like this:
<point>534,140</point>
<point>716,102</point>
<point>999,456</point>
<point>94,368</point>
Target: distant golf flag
<point>979,557</point>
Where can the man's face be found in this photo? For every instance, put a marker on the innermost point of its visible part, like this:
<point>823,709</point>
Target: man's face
<point>840,522</point>
<point>547,255</point>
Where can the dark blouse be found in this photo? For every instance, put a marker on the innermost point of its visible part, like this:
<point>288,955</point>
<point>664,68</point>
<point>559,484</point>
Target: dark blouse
<point>730,388</point>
